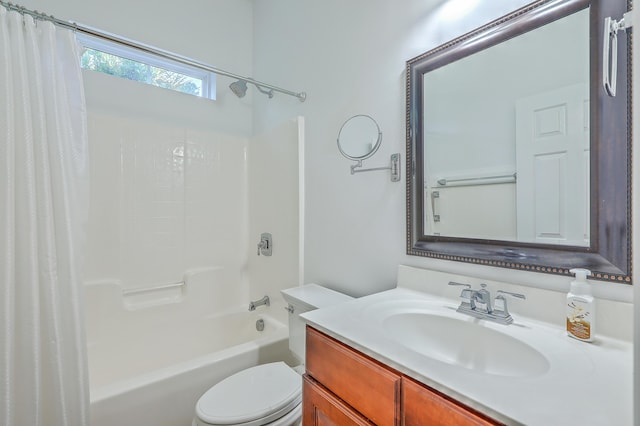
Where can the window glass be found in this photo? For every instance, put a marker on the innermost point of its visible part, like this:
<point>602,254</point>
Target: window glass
<point>121,61</point>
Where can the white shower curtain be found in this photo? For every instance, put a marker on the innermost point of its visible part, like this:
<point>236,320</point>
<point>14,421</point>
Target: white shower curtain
<point>43,209</point>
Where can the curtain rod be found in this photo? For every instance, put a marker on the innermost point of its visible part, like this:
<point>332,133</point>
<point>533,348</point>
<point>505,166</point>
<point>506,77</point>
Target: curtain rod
<point>302,96</point>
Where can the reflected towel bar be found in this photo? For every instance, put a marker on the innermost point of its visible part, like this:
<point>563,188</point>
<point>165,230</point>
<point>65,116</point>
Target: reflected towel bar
<point>484,180</point>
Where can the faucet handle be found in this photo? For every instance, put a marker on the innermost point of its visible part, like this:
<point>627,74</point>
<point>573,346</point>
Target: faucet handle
<point>518,295</point>
<point>265,246</point>
<point>468,286</point>
<point>500,303</point>
<point>466,295</point>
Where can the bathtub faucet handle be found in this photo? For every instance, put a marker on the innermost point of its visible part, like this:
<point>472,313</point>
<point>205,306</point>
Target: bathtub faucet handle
<point>265,246</point>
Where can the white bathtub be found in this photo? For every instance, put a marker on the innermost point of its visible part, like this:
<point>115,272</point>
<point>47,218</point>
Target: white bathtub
<point>149,363</point>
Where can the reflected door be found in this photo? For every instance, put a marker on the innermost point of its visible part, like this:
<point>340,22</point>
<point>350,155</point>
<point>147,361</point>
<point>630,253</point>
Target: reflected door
<point>552,163</point>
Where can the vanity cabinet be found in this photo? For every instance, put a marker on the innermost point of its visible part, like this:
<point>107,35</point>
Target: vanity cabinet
<point>345,387</point>
<point>321,407</point>
<point>364,384</point>
<point>423,406</point>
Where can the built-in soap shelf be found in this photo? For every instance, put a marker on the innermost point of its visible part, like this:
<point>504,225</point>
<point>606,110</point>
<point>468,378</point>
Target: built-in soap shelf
<point>147,296</point>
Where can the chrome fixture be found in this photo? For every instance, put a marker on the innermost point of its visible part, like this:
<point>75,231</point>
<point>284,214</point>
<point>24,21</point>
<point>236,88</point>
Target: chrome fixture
<point>477,303</point>
<point>610,51</point>
<point>500,304</point>
<point>260,325</point>
<point>239,88</point>
<point>434,195</point>
<point>394,166</point>
<point>265,246</point>
<point>358,139</point>
<point>478,180</point>
<point>263,301</point>
<point>269,93</point>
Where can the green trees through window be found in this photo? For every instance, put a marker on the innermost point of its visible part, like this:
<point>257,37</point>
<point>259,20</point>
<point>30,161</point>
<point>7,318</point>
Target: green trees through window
<point>107,63</point>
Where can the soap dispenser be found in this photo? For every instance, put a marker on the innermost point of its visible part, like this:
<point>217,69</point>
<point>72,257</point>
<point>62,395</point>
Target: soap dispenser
<point>581,315</point>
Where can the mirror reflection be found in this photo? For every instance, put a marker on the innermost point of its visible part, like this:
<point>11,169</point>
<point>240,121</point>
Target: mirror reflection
<point>359,137</point>
<point>515,175</point>
<point>516,147</point>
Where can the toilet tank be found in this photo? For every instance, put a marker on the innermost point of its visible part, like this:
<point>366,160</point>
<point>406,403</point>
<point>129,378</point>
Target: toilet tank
<point>304,299</point>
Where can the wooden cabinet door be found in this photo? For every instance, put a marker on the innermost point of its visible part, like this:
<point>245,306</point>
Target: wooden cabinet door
<point>364,384</point>
<point>321,408</point>
<point>423,406</point>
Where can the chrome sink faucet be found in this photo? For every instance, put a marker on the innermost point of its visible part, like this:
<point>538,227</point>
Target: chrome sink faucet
<point>481,299</point>
<point>477,303</point>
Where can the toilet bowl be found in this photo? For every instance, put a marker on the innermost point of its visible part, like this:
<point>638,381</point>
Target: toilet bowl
<point>267,394</point>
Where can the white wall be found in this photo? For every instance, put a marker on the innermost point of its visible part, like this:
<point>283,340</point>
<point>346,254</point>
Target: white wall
<point>350,59</point>
<point>273,170</point>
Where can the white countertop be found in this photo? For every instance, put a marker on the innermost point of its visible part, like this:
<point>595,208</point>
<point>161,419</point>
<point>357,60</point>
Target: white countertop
<point>591,387</point>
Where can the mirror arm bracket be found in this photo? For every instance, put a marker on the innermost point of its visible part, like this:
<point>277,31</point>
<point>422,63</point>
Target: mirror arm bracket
<point>394,167</point>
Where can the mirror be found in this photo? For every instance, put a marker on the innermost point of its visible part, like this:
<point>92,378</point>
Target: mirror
<point>359,137</point>
<point>511,120</point>
<point>531,170</point>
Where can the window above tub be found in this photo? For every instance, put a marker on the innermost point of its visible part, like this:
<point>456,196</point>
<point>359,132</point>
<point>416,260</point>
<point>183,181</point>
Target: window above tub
<point>133,64</point>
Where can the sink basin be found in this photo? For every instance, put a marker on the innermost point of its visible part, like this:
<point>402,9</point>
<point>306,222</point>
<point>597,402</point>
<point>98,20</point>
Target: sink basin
<point>464,342</point>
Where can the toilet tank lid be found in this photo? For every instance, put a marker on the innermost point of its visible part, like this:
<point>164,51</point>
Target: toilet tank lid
<point>313,296</point>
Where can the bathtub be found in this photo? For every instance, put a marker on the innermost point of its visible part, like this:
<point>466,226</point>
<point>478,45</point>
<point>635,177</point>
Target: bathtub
<point>153,356</point>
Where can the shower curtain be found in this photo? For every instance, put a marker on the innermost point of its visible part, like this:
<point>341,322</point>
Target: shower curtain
<point>43,206</point>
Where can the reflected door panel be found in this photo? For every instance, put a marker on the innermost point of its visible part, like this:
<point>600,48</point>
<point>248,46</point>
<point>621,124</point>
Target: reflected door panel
<point>552,152</point>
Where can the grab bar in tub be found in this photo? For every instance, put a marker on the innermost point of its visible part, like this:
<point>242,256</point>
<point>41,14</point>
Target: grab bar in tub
<point>138,290</point>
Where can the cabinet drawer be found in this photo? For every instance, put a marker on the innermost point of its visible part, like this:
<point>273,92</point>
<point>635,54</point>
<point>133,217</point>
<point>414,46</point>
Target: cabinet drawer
<point>361,382</point>
<point>322,408</point>
<point>423,406</point>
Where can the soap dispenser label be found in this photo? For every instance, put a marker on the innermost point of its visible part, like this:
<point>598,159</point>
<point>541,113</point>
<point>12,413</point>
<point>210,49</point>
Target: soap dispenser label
<point>578,323</point>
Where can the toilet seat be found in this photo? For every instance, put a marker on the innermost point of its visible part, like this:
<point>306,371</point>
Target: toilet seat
<point>252,397</point>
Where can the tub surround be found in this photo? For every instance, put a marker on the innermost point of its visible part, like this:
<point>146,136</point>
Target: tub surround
<point>595,387</point>
<point>153,353</point>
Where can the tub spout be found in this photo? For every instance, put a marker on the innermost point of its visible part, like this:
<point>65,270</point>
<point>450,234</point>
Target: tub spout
<point>263,301</point>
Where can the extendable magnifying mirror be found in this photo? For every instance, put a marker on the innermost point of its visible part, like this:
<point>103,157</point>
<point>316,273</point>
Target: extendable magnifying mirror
<point>358,139</point>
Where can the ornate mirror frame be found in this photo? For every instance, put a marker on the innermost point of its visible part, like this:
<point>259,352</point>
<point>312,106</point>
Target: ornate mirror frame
<point>609,254</point>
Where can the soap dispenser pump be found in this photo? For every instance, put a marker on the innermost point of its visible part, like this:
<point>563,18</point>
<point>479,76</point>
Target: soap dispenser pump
<point>581,315</point>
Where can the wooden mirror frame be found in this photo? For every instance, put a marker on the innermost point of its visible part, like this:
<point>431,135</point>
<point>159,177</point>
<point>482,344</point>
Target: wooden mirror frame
<point>609,254</point>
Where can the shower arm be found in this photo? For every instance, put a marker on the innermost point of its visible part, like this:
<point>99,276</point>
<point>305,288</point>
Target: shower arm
<point>302,96</point>
<point>269,93</point>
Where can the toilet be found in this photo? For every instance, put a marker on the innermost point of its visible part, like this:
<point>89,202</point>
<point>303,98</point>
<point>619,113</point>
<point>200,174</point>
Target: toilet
<point>267,394</point>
